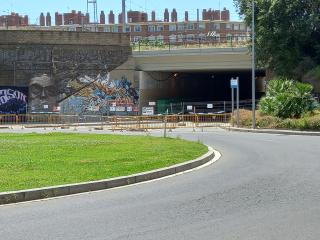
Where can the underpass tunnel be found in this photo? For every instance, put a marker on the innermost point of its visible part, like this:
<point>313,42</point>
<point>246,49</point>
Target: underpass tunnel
<point>196,86</point>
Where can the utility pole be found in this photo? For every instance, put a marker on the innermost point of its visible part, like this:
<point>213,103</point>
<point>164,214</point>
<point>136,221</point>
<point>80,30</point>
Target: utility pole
<point>253,69</point>
<point>124,16</point>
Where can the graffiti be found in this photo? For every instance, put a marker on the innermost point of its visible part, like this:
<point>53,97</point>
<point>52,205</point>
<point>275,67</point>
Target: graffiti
<point>13,100</point>
<point>101,94</point>
<point>42,92</point>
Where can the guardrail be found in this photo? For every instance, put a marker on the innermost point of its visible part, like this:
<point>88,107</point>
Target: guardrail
<point>119,122</point>
<point>204,42</point>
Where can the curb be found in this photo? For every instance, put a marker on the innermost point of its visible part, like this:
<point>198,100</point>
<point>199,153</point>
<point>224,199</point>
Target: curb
<point>272,131</point>
<point>69,189</point>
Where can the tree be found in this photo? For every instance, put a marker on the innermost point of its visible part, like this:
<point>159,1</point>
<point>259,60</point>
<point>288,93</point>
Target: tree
<point>287,34</point>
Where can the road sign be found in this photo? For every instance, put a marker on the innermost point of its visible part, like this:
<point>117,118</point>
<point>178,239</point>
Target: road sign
<point>234,82</point>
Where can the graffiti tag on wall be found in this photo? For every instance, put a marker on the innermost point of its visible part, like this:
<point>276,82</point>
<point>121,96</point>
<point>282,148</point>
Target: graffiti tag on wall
<point>13,100</point>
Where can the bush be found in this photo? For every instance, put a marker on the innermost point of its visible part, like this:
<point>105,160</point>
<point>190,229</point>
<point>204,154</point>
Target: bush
<point>307,122</point>
<point>288,99</point>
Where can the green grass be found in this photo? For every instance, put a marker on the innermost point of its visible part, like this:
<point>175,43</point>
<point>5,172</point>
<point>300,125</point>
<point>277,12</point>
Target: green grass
<point>39,160</point>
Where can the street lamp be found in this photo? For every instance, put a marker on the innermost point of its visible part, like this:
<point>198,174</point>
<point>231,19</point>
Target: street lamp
<point>253,70</point>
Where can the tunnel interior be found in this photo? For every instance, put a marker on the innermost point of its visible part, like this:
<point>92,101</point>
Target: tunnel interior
<point>197,87</point>
<point>210,86</point>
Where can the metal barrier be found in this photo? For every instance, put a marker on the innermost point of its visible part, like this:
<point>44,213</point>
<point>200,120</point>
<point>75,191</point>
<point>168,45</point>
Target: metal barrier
<point>170,121</point>
<point>118,122</point>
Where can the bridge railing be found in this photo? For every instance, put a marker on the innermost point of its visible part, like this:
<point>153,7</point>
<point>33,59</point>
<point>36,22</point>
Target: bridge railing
<point>191,43</point>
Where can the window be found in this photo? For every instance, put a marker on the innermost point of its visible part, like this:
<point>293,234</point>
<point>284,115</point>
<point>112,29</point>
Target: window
<point>128,29</point>
<point>229,37</point>
<point>242,27</point>
<point>236,27</point>
<point>202,36</point>
<point>172,38</point>
<point>160,38</point>
<point>151,28</point>
<point>202,26</point>
<point>180,27</point>
<point>228,26</point>
<point>107,29</point>
<point>115,29</point>
<point>216,26</point>
<point>180,38</point>
<point>172,27</point>
<point>190,26</point>
<point>137,38</point>
<point>160,28</point>
<point>190,37</point>
<point>151,38</point>
<point>137,28</point>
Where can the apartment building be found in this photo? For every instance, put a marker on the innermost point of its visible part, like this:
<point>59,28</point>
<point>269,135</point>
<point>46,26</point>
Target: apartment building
<point>14,20</point>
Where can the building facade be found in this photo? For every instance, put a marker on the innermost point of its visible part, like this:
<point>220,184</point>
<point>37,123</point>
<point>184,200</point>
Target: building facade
<point>14,20</point>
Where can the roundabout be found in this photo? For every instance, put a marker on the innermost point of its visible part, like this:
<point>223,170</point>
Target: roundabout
<point>263,187</point>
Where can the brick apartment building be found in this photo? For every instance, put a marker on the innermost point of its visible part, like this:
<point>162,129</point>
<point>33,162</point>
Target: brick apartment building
<point>169,28</point>
<point>14,20</point>
<point>216,23</point>
<point>72,18</point>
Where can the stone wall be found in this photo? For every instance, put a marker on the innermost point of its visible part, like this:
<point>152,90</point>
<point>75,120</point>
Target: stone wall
<point>58,63</point>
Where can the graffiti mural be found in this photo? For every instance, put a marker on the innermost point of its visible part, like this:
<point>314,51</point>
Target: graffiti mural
<point>101,95</point>
<point>13,100</point>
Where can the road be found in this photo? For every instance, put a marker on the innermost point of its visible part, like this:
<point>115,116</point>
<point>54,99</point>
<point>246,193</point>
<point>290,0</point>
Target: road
<point>264,187</point>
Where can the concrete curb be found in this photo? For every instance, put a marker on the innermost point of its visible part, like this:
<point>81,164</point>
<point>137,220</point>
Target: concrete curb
<point>273,131</point>
<point>63,190</point>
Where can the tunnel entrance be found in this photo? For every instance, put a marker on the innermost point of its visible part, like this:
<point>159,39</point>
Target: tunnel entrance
<point>175,91</point>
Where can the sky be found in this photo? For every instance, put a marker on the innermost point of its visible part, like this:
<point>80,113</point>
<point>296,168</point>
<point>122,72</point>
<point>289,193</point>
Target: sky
<point>33,8</point>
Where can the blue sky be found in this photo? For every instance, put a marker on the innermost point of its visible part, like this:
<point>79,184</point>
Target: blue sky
<point>34,7</point>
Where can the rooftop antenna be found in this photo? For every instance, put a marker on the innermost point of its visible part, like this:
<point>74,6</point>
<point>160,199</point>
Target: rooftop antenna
<point>95,9</point>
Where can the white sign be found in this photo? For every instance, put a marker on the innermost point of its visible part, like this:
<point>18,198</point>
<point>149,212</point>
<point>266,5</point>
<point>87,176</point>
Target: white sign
<point>45,106</point>
<point>112,109</point>
<point>152,103</point>
<point>189,107</point>
<point>120,109</point>
<point>234,83</point>
<point>129,109</point>
<point>147,111</point>
<point>210,105</point>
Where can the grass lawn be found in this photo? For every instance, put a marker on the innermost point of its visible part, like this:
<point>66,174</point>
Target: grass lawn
<point>39,160</point>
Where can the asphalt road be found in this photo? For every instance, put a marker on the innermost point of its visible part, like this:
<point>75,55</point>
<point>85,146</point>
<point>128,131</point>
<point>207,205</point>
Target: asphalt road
<point>264,187</point>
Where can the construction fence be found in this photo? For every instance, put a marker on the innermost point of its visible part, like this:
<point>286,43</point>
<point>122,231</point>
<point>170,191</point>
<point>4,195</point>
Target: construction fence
<point>118,122</point>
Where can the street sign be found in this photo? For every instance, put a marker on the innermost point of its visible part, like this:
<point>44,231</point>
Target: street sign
<point>147,111</point>
<point>209,105</point>
<point>234,83</point>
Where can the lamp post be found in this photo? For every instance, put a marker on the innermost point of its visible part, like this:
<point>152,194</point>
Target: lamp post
<point>253,69</point>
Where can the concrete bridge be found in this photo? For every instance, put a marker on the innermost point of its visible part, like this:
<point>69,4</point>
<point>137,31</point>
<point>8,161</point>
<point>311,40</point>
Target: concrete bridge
<point>198,74</point>
<point>196,59</point>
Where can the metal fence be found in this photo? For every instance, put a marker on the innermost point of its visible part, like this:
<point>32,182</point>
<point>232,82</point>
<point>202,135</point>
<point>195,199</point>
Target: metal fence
<point>183,43</point>
<point>214,107</point>
<point>119,122</point>
<point>170,121</point>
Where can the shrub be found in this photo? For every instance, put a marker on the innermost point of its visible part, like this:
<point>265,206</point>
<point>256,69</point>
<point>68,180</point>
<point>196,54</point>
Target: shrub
<point>287,99</point>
